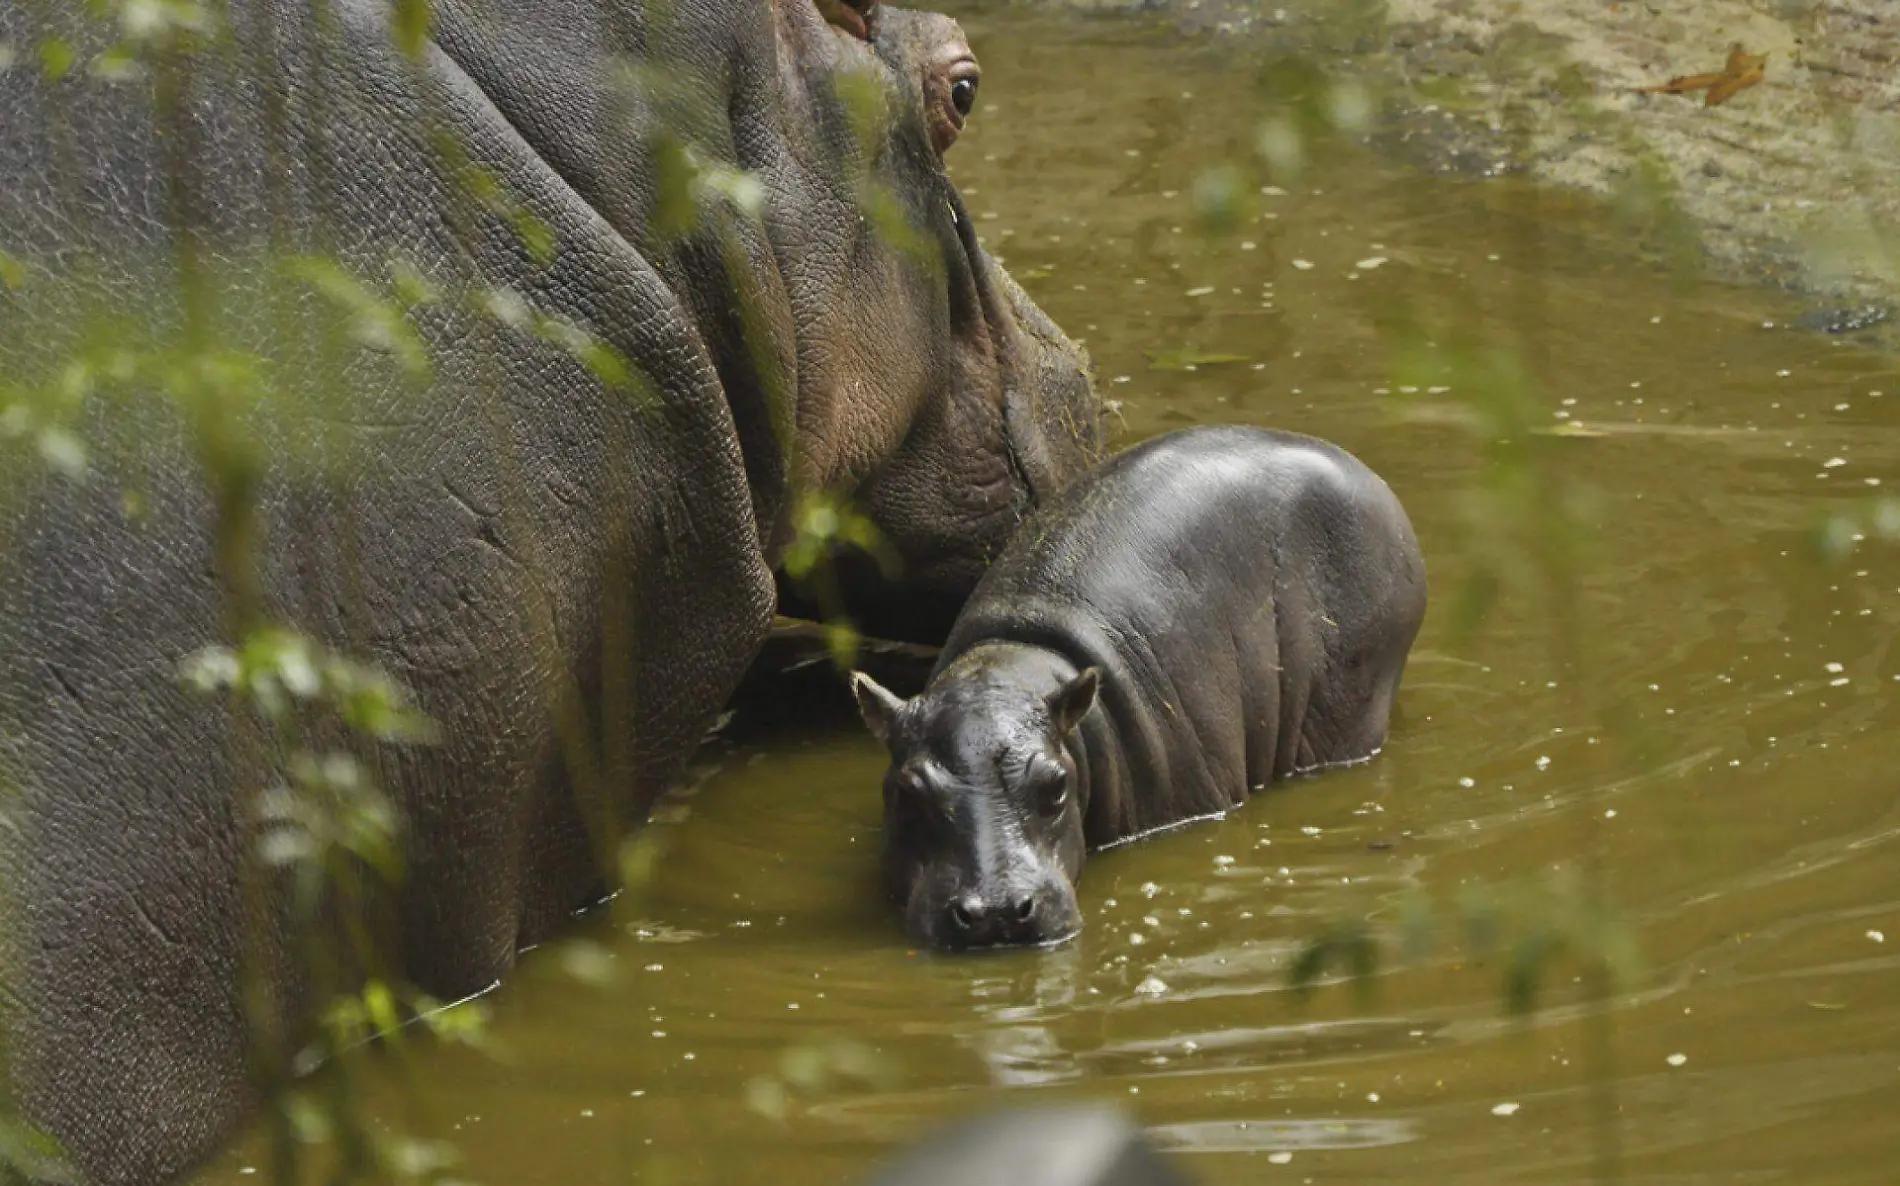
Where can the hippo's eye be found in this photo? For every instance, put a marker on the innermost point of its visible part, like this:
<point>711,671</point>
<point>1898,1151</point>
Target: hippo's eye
<point>904,784</point>
<point>1051,786</point>
<point>963,95</point>
<point>912,797</point>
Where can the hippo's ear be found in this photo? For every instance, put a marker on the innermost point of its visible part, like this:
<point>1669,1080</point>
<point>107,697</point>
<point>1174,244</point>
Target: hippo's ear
<point>877,704</point>
<point>1071,702</point>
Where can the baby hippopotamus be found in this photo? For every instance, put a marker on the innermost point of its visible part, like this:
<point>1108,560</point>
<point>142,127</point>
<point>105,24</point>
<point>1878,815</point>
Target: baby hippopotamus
<point>1201,615</point>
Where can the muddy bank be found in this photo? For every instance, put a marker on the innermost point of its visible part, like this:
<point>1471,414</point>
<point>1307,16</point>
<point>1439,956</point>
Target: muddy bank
<point>1794,181</point>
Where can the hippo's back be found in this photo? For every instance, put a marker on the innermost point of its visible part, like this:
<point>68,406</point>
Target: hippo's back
<point>1198,521</point>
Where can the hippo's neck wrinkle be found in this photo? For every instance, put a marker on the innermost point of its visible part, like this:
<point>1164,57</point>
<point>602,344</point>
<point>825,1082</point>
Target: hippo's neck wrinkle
<point>1006,654</point>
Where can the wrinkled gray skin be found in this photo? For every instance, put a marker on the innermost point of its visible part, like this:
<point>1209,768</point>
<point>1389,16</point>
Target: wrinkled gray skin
<point>536,555</point>
<point>1206,613</point>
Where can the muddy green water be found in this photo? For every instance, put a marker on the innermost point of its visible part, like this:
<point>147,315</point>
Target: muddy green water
<point>1753,845</point>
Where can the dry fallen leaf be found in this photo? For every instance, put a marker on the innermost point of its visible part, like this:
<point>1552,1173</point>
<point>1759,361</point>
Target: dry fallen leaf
<point>1742,71</point>
<point>1682,84</point>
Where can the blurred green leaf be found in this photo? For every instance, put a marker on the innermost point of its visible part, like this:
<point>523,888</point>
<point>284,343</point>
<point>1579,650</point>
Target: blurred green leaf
<point>64,453</point>
<point>1478,909</point>
<point>1839,533</point>
<point>164,21</point>
<point>379,1006</point>
<point>1417,926</point>
<point>1281,144</point>
<point>1222,197</point>
<point>286,849</point>
<point>508,307</point>
<point>411,21</point>
<point>346,1021</point>
<point>1350,106</point>
<point>375,324</point>
<point>56,58</point>
<point>867,106</point>
<point>309,1119</point>
<point>1309,966</point>
<point>815,1067</point>
<point>605,363</point>
<point>464,1023</point>
<point>411,287</point>
<point>743,189</point>
<point>1473,602</point>
<point>639,860</point>
<point>1524,971</point>
<point>824,526</point>
<point>601,360</point>
<point>212,669</point>
<point>608,365</point>
<point>1186,357</point>
<point>675,214</point>
<point>1612,943</point>
<point>535,234</point>
<point>863,1063</point>
<point>1361,949</point>
<point>768,1097</point>
<point>805,1067</point>
<point>12,272</point>
<point>587,963</point>
<point>120,63</point>
<point>33,1156</point>
<point>411,1159</point>
<point>493,195</point>
<point>1347,943</point>
<point>1304,113</point>
<point>329,807</point>
<point>842,641</point>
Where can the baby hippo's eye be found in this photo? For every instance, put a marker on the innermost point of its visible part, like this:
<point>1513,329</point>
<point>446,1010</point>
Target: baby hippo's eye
<point>913,798</point>
<point>963,95</point>
<point>1050,783</point>
<point>902,786</point>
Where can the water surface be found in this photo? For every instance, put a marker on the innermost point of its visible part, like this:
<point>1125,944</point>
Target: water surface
<point>1745,806</point>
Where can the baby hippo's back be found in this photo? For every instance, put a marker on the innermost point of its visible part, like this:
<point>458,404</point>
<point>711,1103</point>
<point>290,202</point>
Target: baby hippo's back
<point>1249,596</point>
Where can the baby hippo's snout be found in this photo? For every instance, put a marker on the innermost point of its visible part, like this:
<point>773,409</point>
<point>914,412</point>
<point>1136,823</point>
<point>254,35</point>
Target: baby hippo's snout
<point>980,917</point>
<point>1008,918</point>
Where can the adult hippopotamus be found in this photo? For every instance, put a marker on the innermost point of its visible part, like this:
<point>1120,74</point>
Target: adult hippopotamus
<point>1206,613</point>
<point>656,272</point>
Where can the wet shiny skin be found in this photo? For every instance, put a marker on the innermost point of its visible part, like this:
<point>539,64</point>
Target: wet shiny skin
<point>1753,844</point>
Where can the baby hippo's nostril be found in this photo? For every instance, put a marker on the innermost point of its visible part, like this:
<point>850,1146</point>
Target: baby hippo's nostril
<point>975,920</point>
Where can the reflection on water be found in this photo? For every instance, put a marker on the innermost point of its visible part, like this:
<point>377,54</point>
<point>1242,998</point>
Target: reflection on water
<point>1254,1136</point>
<point>1748,808</point>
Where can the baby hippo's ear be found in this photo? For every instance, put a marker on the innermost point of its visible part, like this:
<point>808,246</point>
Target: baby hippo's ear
<point>1071,702</point>
<point>877,704</point>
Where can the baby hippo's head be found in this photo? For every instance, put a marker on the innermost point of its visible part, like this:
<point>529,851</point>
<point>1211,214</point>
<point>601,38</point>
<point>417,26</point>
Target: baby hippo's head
<point>982,812</point>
